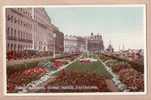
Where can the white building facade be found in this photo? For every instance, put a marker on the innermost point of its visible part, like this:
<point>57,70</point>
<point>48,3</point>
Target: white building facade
<point>70,44</point>
<point>43,31</point>
<point>28,29</point>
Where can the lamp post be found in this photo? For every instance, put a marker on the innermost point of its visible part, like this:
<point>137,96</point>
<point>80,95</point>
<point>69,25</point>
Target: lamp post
<point>54,49</point>
<point>87,52</point>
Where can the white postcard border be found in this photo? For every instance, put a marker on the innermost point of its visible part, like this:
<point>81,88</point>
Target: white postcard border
<point>70,94</point>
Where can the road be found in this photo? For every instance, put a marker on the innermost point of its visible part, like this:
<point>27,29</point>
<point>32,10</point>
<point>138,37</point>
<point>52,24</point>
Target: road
<point>21,61</point>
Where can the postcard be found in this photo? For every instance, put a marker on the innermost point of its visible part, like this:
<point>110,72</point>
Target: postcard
<point>75,49</point>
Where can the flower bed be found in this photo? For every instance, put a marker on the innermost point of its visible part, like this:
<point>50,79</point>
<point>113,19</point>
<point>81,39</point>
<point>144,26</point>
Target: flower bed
<point>127,74</point>
<point>58,62</point>
<point>22,78</point>
<point>104,58</point>
<point>20,67</point>
<point>78,79</point>
<point>133,79</point>
<point>87,60</point>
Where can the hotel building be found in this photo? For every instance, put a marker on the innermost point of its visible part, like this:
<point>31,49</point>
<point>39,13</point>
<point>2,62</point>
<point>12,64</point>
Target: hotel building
<point>30,29</point>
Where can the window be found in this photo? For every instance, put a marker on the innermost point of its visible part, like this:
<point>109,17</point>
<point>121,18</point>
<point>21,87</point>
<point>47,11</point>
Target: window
<point>11,19</point>
<point>8,46</point>
<point>15,20</point>
<point>14,46</point>
<point>8,18</point>
<point>18,47</point>
<point>18,21</point>
<point>21,35</point>
<point>14,34</point>
<point>18,35</point>
<point>8,31</point>
<point>11,32</point>
<point>11,47</point>
<point>24,35</point>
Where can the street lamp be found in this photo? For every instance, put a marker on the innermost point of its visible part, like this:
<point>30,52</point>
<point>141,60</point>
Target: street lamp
<point>87,52</point>
<point>54,49</point>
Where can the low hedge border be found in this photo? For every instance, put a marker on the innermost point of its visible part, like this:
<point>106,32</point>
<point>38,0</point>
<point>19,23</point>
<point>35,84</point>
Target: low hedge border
<point>19,67</point>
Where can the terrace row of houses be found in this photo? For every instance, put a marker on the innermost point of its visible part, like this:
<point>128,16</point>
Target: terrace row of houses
<point>32,29</point>
<point>91,43</point>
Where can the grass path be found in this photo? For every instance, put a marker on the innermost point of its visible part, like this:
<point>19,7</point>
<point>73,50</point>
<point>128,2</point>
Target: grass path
<point>94,67</point>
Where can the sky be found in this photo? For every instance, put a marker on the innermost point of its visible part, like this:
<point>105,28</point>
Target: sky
<point>120,25</point>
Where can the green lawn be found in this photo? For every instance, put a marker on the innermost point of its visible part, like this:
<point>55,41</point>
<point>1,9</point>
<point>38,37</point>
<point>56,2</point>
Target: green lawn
<point>95,67</point>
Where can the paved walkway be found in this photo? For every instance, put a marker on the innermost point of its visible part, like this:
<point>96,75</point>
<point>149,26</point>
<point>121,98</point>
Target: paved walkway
<point>111,85</point>
<point>121,86</point>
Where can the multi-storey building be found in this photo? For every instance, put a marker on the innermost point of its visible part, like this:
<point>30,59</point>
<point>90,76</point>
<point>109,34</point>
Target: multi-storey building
<point>30,29</point>
<point>81,44</point>
<point>95,43</point>
<point>70,44</point>
<point>18,29</point>
<point>42,30</point>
